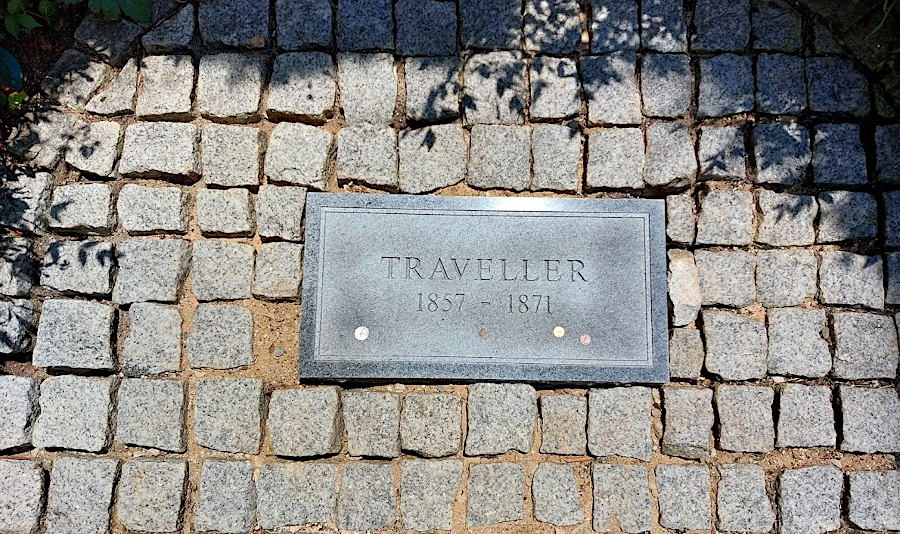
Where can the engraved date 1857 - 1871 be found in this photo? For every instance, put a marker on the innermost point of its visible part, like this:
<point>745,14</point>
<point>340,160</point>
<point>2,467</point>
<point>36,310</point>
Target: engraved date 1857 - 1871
<point>455,302</point>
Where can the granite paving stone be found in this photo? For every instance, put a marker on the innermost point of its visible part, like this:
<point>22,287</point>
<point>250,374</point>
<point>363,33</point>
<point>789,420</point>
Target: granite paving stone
<point>838,155</point>
<point>229,87</point>
<point>368,85</point>
<point>305,421</point>
<point>82,208</point>
<point>563,423</point>
<point>17,267</point>
<point>21,496</point>
<point>234,23</point>
<point>40,137</point>
<point>666,84</point>
<point>720,26</point>
<point>552,27</point>
<point>871,503</point>
<point>160,150</point>
<point>663,26</point>
<point>364,25</point>
<point>372,423</point>
<point>172,35</point>
<point>150,270</point>
<point>303,24</point>
<point>112,40</point>
<point>75,334</point>
<point>865,346</point>
<point>619,422</point>
<point>167,83</point>
<point>891,218</point>
<point>227,501</point>
<point>279,212</point>
<point>670,159</point>
<point>742,502</point>
<point>117,98</point>
<point>18,409</point>
<point>805,417</point>
<point>25,200</point>
<point>726,218</point>
<point>501,417</point>
<point>225,212</point>
<point>871,420</point>
<point>499,157</point>
<point>780,84</point>
<point>367,499</point>
<point>556,157</point>
<point>74,77</point>
<point>892,294</point>
<point>809,499</point>
<point>736,345</point>
<point>555,88</point>
<point>16,318</point>
<point>367,153</point>
<point>835,85</point>
<point>776,26</point>
<point>887,168</point>
<point>782,153</point>
<point>745,418</point>
<point>684,497</point>
<point>684,287</point>
<point>221,337</point>
<point>556,498</point>
<point>80,495</point>
<point>496,493</point>
<point>94,148</point>
<point>227,415</point>
<point>615,158</point>
<point>75,413</point>
<point>78,267</point>
<point>726,80</point>
<point>147,210</point>
<point>680,219</point>
<point>824,41</point>
<point>278,271</point>
<point>153,345</point>
<point>621,495</point>
<point>726,277</point>
<point>440,19</point>
<point>796,343</point>
<point>614,26</point>
<point>432,88</point>
<point>302,87</point>
<point>298,154</point>
<point>847,215</point>
<point>786,220</point>
<point>688,422</point>
<point>495,91</point>
<point>685,353</point>
<point>428,489</point>
<point>786,277</point>
<point>610,88</point>
<point>223,270</point>
<point>291,494</point>
<point>850,279</point>
<point>721,153</point>
<point>490,24</point>
<point>431,424</point>
<point>432,158</point>
<point>150,495</point>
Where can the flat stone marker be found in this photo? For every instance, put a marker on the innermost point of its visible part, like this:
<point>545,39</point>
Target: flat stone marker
<point>546,290</point>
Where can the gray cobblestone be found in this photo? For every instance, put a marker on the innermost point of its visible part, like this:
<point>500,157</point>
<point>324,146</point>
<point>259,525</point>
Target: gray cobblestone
<point>227,501</point>
<point>809,499</point>
<point>785,277</point>
<point>80,495</point>
<point>501,417</point>
<point>552,27</point>
<point>610,88</point>
<point>496,494</point>
<point>490,24</point>
<point>499,157</point>
<point>305,421</point>
<point>782,153</point>
<point>621,495</point>
<point>670,158</point>
<point>117,98</point>
<point>556,498</point>
<point>614,26</point>
<point>619,422</point>
<point>298,154</point>
<point>726,82</point>
<point>279,212</point>
<point>367,500</point>
<point>94,148</point>
<point>786,219</point>
<point>892,294</point>
<point>685,353</point>
<point>555,89</point>
<point>440,19</point>
<point>367,153</point>
<point>112,40</point>
<point>372,422</point>
<point>891,218</point>
<point>563,423</point>
<point>432,158</point>
<point>73,79</point>
<point>796,343</point>
<point>742,502</point>
<point>15,326</point>
<point>221,337</point>
<point>227,415</point>
<point>824,42</point>
<point>432,88</point>
<point>150,269</point>
<point>18,409</point>
<point>231,155</point>
<point>431,424</point>
<point>745,418</point>
<point>78,267</point>
<point>25,199</point>
<point>871,420</point>
<point>688,422</point>
<point>225,212</point>
<point>838,155</point>
<point>82,208</point>
<point>17,267</point>
<point>75,334</point>
<point>726,277</point>
<point>684,287</point>
<point>555,157</point>
<point>229,87</point>
<point>223,270</point>
<point>780,84</point>
<point>21,496</point>
<point>40,137</point>
<point>150,495</point>
<point>726,218</point>
<point>615,158</point>
<point>368,84</point>
<point>144,210</point>
<point>278,271</point>
<point>847,215</point>
<point>173,35</point>
<point>304,24</point>
<point>663,26</point>
<point>364,25</point>
<point>735,345</point>
<point>872,505</point>
<point>849,279</point>
<point>302,86</point>
<point>292,494</point>
<point>805,417</point>
<point>428,490</point>
<point>887,168</point>
<point>776,26</point>
<point>167,83</point>
<point>684,497</point>
<point>234,23</point>
<point>495,88</point>
<point>75,412</point>
<point>836,86</point>
<point>153,345</point>
<point>865,346</point>
<point>722,153</point>
<point>666,84</point>
<point>680,216</point>
<point>160,150</point>
<point>721,27</point>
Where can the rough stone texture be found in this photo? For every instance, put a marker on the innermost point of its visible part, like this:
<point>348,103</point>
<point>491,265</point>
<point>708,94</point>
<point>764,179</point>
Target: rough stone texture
<point>776,26</point>
<point>872,502</point>
<point>496,493</point>
<point>742,502</point>
<point>501,417</point>
<point>796,343</point>
<point>688,422</point>
<point>680,215</point>
<point>722,153</point>
<point>563,422</point>
<point>367,153</point>
<point>556,498</point>
<point>94,147</point>
<point>735,345</point>
<point>432,158</point>
<point>555,89</point>
<point>495,90</point>
<point>305,421</point>
<point>18,408</point>
<point>887,138</point>
<point>836,86</point>
<point>721,26</point>
<point>224,212</point>
<point>278,271</point>
<point>684,287</point>
<point>173,35</point>
<point>621,495</point>
<point>726,84</point>
<point>303,24</point>
<point>610,88</point>
<point>413,16</point>
<point>229,87</point>
<point>227,497</point>
<point>892,294</point>
<point>372,422</point>
<point>871,420</point>
<point>432,88</point>
<point>782,153</point>
<point>75,413</point>
<point>726,218</point>
<point>865,346</point>
<point>302,86</point>
<point>166,86</point>
<point>726,277</point>
<point>17,267</point>
<point>619,422</point>
<point>80,495</point>
<point>368,84</point>
<point>838,155</point>
<point>685,353</point>
<point>75,334</point>
<point>40,137</point>
<point>847,215</point>
<point>367,500</point>
<point>227,415</point>
<point>73,79</point>
<point>786,219</point>
<point>298,154</point>
<point>221,337</point>
<point>117,98</point>
<point>25,199</point>
<point>805,417</point>
<point>150,269</point>
<point>892,218</point>
<point>428,490</point>
<point>745,418</point>
<point>223,270</point>
<point>684,497</point>
<point>431,424</point>
<point>110,39</point>
<point>294,494</point>
<point>614,26</point>
<point>153,345</point>
<point>670,158</point>
<point>489,24</point>
<point>234,23</point>
<point>145,210</point>
<point>663,26</point>
<point>499,157</point>
<point>555,157</point>
<point>615,158</point>
<point>364,25</point>
<point>160,150</point>
<point>666,84</point>
<point>232,155</point>
<point>780,84</point>
<point>279,212</point>
<point>785,277</point>
<point>552,27</point>
<point>847,278</point>
<point>78,267</point>
<point>15,325</point>
<point>809,499</point>
<point>82,208</point>
<point>150,495</point>
<point>21,496</point>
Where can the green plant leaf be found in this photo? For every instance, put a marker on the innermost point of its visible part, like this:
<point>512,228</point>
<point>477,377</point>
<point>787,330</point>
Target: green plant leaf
<point>111,9</point>
<point>27,21</point>
<point>14,7</point>
<point>12,26</point>
<point>49,10</point>
<point>95,5</point>
<point>137,10</point>
<point>15,100</point>
<point>3,99</point>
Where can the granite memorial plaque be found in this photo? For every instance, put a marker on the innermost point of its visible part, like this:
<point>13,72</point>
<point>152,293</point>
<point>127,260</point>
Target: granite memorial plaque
<point>531,289</point>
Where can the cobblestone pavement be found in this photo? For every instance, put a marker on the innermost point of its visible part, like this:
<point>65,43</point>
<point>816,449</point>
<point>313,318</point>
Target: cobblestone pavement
<point>151,270</point>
